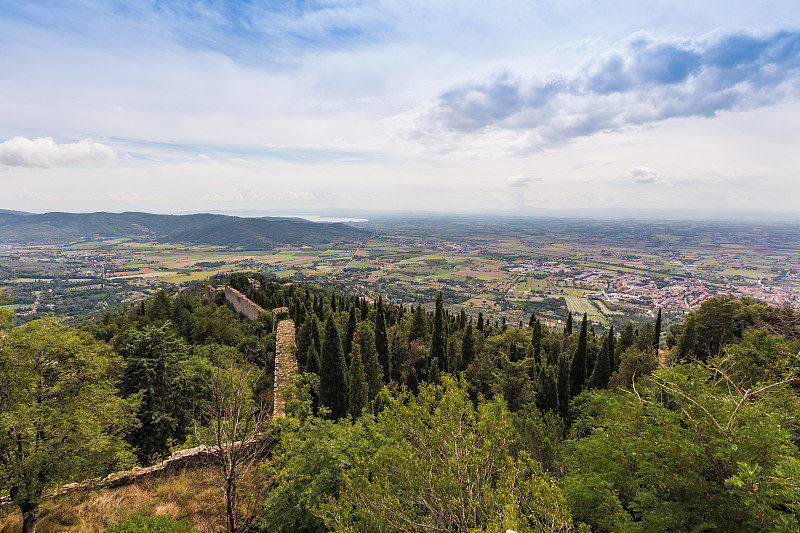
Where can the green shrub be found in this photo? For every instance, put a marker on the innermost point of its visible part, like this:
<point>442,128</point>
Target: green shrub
<point>151,524</point>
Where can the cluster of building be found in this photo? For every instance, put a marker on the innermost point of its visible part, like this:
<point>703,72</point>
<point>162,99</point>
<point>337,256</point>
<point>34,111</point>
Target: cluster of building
<point>668,293</point>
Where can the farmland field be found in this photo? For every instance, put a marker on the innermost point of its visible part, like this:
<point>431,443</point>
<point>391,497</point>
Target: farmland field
<point>503,270</point>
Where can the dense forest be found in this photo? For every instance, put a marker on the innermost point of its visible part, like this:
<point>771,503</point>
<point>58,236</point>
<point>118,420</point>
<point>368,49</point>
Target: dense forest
<point>409,420</point>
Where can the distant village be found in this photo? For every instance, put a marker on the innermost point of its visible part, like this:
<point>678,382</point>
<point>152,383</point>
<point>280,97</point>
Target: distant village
<point>669,293</point>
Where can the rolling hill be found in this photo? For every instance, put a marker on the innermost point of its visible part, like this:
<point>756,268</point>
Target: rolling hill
<point>207,229</point>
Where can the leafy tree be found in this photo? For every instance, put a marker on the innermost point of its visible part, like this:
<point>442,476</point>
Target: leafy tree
<point>447,465</point>
<point>61,418</point>
<point>626,338</point>
<point>634,363</point>
<point>309,466</point>
<point>333,386</point>
<point>687,342</point>
<point>689,450</point>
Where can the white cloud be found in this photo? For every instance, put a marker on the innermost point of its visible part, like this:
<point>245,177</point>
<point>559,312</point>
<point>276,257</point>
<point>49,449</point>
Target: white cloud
<point>521,180</point>
<point>642,174</point>
<point>43,152</point>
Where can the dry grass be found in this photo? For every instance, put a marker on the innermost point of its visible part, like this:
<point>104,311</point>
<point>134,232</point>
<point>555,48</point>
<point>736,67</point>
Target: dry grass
<point>191,495</point>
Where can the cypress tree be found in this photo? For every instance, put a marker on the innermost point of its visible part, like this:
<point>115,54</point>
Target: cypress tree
<point>547,395</point>
<point>657,332</point>
<point>364,309</point>
<point>467,347</point>
<point>439,340</point>
<point>568,327</point>
<point>512,352</point>
<point>577,371</point>
<point>382,340</point>
<point>600,375</point>
<point>462,319</point>
<point>306,334</point>
<point>399,353</point>
<point>358,384</point>
<point>480,321</point>
<point>312,359</point>
<point>333,303</point>
<point>536,342</point>
<point>419,326</point>
<point>613,355</point>
<point>366,340</point>
<point>333,386</point>
<point>532,320</point>
<point>563,386</point>
<point>351,330</point>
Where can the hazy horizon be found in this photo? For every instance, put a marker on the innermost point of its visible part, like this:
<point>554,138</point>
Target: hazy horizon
<point>519,108</point>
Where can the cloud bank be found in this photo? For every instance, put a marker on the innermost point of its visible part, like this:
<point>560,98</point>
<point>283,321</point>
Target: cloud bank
<point>43,152</point>
<point>644,80</point>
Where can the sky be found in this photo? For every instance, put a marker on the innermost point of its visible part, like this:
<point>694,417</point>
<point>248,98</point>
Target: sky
<point>516,106</point>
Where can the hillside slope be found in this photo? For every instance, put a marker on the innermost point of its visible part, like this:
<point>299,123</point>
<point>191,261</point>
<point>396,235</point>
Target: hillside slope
<point>207,229</point>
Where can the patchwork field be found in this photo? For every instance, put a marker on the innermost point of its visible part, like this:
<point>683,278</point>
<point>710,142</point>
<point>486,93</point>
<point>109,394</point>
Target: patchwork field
<point>504,270</point>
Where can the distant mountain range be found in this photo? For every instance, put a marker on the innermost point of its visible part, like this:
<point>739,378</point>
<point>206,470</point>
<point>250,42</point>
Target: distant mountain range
<point>206,229</point>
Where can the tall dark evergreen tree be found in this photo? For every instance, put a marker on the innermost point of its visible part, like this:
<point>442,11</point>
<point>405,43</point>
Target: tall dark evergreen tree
<point>480,321</point>
<point>462,319</point>
<point>613,355</point>
<point>547,393</point>
<point>602,365</point>
<point>364,309</point>
<point>372,368</point>
<point>577,370</point>
<point>467,347</point>
<point>333,303</point>
<point>359,398</point>
<point>657,332</point>
<point>568,327</point>
<point>351,330</point>
<point>532,320</point>
<point>563,385</point>
<point>419,324</point>
<point>399,353</point>
<point>382,340</point>
<point>536,342</point>
<point>333,385</point>
<point>512,352</point>
<point>439,340</point>
<point>312,359</point>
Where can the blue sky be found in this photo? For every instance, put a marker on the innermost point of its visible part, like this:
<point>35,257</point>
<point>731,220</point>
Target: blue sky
<point>171,106</point>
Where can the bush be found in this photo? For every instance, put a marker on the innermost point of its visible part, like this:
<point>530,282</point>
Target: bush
<point>151,524</point>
